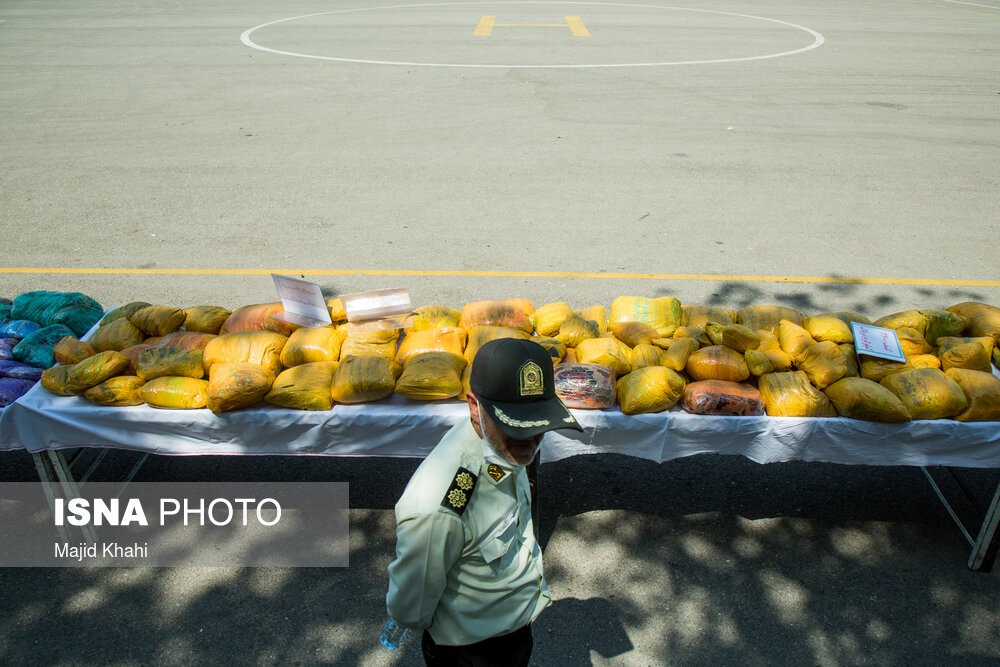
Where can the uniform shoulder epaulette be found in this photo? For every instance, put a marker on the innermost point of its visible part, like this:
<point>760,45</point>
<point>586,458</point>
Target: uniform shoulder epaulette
<point>460,491</point>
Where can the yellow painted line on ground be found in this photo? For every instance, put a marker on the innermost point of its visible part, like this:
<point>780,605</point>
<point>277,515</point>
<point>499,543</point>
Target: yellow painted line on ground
<point>834,280</point>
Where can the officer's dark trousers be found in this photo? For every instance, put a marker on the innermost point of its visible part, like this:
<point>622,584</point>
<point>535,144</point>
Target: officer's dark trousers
<point>512,650</point>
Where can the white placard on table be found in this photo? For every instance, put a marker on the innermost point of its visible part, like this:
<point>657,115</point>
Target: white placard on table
<point>302,301</point>
<point>877,342</point>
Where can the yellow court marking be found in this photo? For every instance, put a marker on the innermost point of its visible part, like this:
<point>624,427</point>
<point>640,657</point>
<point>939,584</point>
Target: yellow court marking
<point>486,24</point>
<point>834,280</point>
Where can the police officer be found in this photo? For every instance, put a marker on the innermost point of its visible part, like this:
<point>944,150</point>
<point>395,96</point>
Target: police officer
<point>468,570</point>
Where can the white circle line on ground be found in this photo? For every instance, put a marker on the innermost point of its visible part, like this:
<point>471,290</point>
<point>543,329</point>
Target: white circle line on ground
<point>971,4</point>
<point>818,39</point>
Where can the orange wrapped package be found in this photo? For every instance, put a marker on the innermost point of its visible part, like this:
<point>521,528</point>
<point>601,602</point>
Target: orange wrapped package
<point>510,313</point>
<point>237,385</point>
<point>252,347</point>
<point>250,318</point>
<point>585,386</point>
<point>719,397</point>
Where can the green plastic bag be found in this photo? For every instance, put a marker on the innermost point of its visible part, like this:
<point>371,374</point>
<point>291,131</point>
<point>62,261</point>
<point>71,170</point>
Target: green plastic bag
<point>77,311</point>
<point>36,349</point>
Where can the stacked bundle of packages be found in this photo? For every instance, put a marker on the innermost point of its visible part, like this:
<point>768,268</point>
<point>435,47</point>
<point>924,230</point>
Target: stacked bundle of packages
<point>645,354</point>
<point>30,327</point>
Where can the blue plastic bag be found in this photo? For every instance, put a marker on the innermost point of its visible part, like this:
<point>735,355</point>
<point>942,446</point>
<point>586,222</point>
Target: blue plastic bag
<point>18,328</point>
<point>12,389</point>
<point>15,369</point>
<point>77,311</point>
<point>36,349</point>
<point>7,348</point>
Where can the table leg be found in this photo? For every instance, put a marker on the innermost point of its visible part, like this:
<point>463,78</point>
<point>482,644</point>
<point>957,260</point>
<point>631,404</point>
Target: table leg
<point>70,487</point>
<point>984,551</point>
<point>47,477</point>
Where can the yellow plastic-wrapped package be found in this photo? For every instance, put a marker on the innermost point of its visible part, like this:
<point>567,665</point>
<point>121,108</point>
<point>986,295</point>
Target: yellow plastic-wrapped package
<point>116,392</point>
<point>277,325</point>
<point>634,333</point>
<point>237,385</point>
<point>650,389</point>
<point>555,348</point>
<point>984,320</point>
<point>116,335</point>
<point>662,313</point>
<point>859,398</point>
<point>123,311</point>
<point>927,393</point>
<point>250,318</point>
<point>758,363</point>
<point>69,350</point>
<point>851,356</point>
<point>479,336</point>
<point>609,352</point>
<point>132,353</point>
<point>945,343</point>
<point>824,363</point>
<point>54,379</point>
<point>982,391</point>
<point>575,329</point>
<point>511,313</point>
<point>432,376</point>
<point>95,370</point>
<point>644,355</point>
<point>879,369</point>
<point>965,355</point>
<point>548,318</point>
<point>451,339</point>
<point>336,308</point>
<point>158,320</point>
<point>379,343</point>
<point>912,319</point>
<point>176,392</point>
<point>770,347</point>
<point>943,323</point>
<point>365,378</point>
<point>740,338</point>
<point>768,317</point>
<point>205,319</point>
<point>717,362</point>
<point>699,316</point>
<point>307,345</point>
<point>189,340</point>
<point>676,357</point>
<point>434,317</point>
<point>828,327</point>
<point>848,317</point>
<point>793,339</point>
<point>790,394</point>
<point>251,347</point>
<point>912,341</point>
<point>695,333</point>
<point>596,314</point>
<point>304,387</point>
<point>159,361</point>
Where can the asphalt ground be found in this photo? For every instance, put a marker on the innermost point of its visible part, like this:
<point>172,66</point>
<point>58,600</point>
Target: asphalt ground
<point>149,153</point>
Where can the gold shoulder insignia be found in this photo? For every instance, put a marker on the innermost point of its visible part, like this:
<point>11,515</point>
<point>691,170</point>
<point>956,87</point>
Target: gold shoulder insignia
<point>457,497</point>
<point>495,471</point>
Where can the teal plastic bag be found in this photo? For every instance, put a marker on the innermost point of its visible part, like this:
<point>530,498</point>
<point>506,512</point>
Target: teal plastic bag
<point>77,311</point>
<point>36,348</point>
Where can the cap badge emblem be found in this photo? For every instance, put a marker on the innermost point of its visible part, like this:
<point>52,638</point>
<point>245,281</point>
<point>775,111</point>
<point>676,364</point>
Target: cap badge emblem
<point>530,380</point>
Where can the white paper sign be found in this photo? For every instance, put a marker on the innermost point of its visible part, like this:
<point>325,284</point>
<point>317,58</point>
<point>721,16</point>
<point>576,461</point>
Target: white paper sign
<point>877,342</point>
<point>302,301</point>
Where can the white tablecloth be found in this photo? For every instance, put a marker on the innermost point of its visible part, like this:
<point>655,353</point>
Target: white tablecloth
<point>397,427</point>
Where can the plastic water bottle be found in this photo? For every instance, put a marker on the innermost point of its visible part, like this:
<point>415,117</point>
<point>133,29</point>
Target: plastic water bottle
<point>393,634</point>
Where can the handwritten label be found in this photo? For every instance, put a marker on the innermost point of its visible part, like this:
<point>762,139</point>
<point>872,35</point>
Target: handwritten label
<point>302,302</point>
<point>877,342</point>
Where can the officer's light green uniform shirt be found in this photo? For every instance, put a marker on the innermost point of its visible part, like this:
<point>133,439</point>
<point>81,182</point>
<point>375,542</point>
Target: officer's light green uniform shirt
<point>467,564</point>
